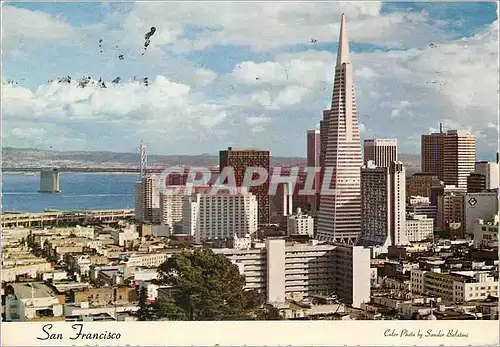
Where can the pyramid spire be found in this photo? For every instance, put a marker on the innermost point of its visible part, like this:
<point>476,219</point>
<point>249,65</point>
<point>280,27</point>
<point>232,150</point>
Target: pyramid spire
<point>343,50</point>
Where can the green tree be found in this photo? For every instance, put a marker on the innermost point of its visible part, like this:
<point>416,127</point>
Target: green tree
<point>207,286</point>
<point>166,307</point>
<point>146,312</point>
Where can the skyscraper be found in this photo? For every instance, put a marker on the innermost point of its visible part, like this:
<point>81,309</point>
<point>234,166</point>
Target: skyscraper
<point>242,158</point>
<point>383,209</point>
<point>381,151</point>
<point>313,160</point>
<point>147,200</point>
<point>432,150</point>
<point>459,157</point>
<point>339,218</point>
<point>450,156</point>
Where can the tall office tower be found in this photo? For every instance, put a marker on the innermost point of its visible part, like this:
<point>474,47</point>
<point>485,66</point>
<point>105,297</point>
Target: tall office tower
<point>451,156</point>
<point>459,157</point>
<point>432,150</point>
<point>49,180</point>
<point>383,212</point>
<point>381,151</point>
<point>339,218</point>
<point>421,184</point>
<point>207,216</point>
<point>242,158</point>
<point>313,160</point>
<point>489,170</point>
<point>147,200</point>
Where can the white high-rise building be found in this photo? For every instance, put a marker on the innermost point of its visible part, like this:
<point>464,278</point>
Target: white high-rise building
<point>171,208</point>
<point>222,215</point>
<point>339,218</point>
<point>147,200</point>
<point>490,171</point>
<point>283,270</point>
<point>300,224</point>
<point>383,210</point>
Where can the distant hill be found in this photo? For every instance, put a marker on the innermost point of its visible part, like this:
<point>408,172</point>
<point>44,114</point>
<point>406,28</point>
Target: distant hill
<point>30,157</point>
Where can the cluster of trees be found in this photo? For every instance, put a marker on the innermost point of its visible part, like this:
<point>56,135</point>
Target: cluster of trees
<point>205,286</point>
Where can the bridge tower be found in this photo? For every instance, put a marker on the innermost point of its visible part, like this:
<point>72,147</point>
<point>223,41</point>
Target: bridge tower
<point>143,163</point>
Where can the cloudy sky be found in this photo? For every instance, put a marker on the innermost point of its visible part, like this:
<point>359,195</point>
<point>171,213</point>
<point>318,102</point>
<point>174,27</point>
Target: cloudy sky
<point>243,74</point>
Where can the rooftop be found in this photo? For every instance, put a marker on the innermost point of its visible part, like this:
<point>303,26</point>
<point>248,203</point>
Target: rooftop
<point>32,289</point>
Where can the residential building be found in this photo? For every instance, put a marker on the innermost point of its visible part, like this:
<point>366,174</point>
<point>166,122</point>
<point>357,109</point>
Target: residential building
<point>490,172</point>
<point>242,158</point>
<point>419,227</point>
<point>283,270</point>
<point>486,233</point>
<point>171,208</point>
<point>479,206</point>
<point>381,151</point>
<point>300,223</point>
<point>147,200</point>
<point>456,286</point>
<point>221,215</point>
<point>383,207</point>
<point>339,217</point>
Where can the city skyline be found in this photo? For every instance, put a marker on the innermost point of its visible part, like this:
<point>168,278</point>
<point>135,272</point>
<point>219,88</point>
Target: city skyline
<point>246,88</point>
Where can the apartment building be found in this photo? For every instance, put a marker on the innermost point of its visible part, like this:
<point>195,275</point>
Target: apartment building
<point>300,223</point>
<point>239,159</point>
<point>286,269</point>
<point>456,286</point>
<point>222,215</point>
<point>419,227</point>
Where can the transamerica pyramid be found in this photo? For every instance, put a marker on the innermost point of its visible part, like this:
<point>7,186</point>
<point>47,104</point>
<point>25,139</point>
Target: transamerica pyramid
<point>339,218</point>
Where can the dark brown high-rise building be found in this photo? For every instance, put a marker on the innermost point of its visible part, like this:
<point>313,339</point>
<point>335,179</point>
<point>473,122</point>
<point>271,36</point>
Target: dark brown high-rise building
<point>242,158</point>
<point>421,184</point>
<point>432,150</point>
<point>450,156</point>
<point>476,183</point>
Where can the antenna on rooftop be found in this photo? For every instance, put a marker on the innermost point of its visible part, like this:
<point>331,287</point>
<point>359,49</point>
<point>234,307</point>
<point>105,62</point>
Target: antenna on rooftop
<point>144,160</point>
